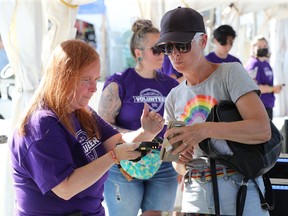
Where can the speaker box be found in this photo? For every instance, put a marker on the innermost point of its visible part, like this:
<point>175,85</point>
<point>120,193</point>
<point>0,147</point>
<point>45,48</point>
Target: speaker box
<point>279,180</point>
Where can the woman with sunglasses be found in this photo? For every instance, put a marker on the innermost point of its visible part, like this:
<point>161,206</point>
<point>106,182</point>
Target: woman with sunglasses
<point>183,39</point>
<point>121,102</point>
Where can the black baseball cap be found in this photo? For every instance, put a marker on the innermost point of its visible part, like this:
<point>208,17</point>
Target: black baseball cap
<point>180,25</point>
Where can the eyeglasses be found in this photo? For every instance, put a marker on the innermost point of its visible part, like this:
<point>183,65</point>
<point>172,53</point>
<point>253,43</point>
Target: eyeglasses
<point>87,81</point>
<point>155,50</point>
<point>167,48</point>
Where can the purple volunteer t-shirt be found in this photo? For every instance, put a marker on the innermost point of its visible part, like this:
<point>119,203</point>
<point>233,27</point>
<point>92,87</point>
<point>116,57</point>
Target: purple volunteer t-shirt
<point>212,57</point>
<point>168,69</point>
<point>45,156</point>
<point>262,72</point>
<point>135,90</point>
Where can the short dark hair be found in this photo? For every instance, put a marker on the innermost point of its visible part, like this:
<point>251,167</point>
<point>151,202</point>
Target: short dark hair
<point>222,32</point>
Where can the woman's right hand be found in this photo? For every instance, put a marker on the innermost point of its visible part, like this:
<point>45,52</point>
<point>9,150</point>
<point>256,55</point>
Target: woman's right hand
<point>277,88</point>
<point>126,151</point>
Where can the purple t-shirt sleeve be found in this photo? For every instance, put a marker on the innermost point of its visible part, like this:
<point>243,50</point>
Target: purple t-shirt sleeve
<point>107,130</point>
<point>251,64</point>
<point>117,78</point>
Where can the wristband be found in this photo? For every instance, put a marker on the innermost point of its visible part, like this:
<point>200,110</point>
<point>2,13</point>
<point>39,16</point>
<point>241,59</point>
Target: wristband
<point>113,156</point>
<point>271,89</point>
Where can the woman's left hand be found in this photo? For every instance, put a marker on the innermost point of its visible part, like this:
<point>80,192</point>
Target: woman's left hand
<point>151,122</point>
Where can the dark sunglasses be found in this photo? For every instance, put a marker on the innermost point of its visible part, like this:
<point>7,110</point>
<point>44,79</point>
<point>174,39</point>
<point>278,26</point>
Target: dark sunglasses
<point>167,48</point>
<point>155,50</point>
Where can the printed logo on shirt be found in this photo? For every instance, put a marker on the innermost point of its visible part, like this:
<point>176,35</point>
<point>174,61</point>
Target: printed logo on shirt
<point>268,73</point>
<point>197,109</point>
<point>89,145</point>
<point>152,97</point>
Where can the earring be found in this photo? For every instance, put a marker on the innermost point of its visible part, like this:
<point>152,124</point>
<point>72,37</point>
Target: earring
<point>139,59</point>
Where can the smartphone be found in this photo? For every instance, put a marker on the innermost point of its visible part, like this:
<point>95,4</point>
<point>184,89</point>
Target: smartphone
<point>144,148</point>
<point>172,124</point>
<point>147,146</point>
<point>167,148</point>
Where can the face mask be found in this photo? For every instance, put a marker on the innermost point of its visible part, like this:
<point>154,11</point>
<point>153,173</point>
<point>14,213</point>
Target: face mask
<point>262,52</point>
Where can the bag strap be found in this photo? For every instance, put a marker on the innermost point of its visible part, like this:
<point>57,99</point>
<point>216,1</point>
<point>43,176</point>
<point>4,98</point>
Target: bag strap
<point>213,117</point>
<point>267,203</point>
<point>241,197</point>
<point>215,186</point>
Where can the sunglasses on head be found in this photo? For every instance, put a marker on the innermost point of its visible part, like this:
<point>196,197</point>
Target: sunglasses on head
<point>155,50</point>
<point>167,48</point>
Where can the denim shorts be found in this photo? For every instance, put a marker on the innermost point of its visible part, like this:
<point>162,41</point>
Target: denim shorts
<point>126,198</point>
<point>198,196</point>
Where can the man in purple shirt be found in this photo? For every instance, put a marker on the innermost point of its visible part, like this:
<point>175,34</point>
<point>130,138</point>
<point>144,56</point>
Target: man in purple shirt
<point>223,40</point>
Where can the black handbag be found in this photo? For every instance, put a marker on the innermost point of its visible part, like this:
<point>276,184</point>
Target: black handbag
<point>249,160</point>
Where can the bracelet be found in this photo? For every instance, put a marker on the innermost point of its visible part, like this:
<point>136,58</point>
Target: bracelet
<point>113,156</point>
<point>271,89</point>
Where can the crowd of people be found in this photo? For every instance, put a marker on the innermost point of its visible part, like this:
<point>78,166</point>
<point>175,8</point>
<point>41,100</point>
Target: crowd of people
<point>67,158</point>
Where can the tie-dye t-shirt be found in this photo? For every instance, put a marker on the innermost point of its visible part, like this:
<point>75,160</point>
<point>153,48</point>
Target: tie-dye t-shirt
<point>192,104</point>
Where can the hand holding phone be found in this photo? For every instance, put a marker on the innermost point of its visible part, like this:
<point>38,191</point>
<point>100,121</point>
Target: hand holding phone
<point>146,147</point>
<point>167,148</point>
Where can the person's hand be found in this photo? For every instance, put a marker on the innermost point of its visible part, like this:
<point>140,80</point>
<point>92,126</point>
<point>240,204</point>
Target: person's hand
<point>151,122</point>
<point>186,156</point>
<point>190,135</point>
<point>277,88</point>
<point>126,151</point>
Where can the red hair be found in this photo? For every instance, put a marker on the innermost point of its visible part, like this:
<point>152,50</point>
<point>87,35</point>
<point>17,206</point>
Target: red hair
<point>58,86</point>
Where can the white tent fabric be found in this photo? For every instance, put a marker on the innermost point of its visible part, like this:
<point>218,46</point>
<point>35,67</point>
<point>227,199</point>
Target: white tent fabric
<point>279,60</point>
<point>24,29</point>
<point>22,37</point>
<point>59,29</point>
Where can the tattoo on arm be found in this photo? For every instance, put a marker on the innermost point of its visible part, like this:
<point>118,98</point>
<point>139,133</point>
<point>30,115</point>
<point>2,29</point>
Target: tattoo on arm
<point>110,103</point>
